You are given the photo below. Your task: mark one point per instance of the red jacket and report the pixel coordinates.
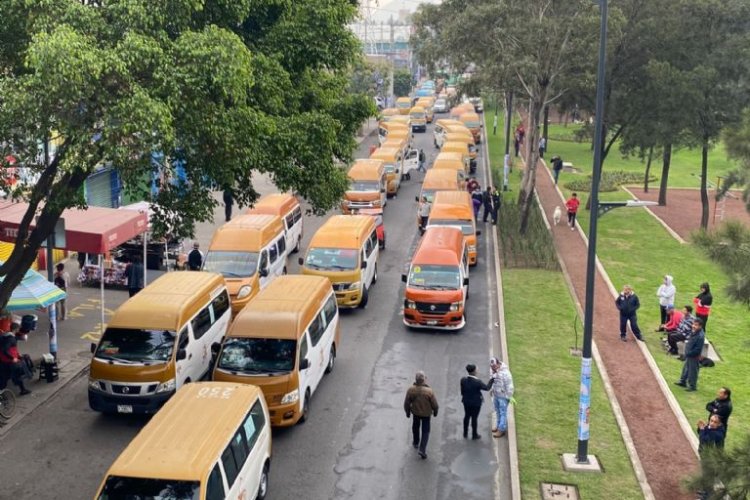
(572, 205)
(8, 349)
(673, 321)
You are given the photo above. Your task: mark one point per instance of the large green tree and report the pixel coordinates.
(226, 88)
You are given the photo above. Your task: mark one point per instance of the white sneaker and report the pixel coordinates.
(572, 228)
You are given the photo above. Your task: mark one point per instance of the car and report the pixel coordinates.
(440, 106)
(478, 104)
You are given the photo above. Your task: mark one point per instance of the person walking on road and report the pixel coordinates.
(135, 276)
(502, 393)
(693, 351)
(542, 146)
(666, 293)
(195, 258)
(61, 280)
(487, 203)
(703, 302)
(424, 213)
(422, 159)
(557, 166)
(471, 397)
(572, 206)
(228, 203)
(496, 201)
(627, 303)
(421, 404)
(721, 406)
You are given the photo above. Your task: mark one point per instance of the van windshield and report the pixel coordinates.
(118, 487)
(434, 277)
(364, 186)
(337, 259)
(231, 264)
(252, 355)
(417, 115)
(467, 228)
(471, 124)
(389, 167)
(126, 345)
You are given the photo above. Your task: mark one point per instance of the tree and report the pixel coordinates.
(402, 82)
(226, 88)
(730, 247)
(737, 140)
(724, 474)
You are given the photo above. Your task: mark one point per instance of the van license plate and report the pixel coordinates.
(432, 322)
(124, 409)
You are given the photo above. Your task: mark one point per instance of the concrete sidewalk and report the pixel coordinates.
(83, 323)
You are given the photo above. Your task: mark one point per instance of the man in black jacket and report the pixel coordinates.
(627, 303)
(721, 406)
(471, 397)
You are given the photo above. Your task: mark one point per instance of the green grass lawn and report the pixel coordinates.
(547, 408)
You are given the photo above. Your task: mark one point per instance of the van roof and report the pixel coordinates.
(247, 231)
(283, 309)
(444, 122)
(440, 179)
(393, 125)
(450, 155)
(417, 109)
(188, 434)
(389, 112)
(168, 302)
(469, 117)
(368, 169)
(275, 204)
(449, 146)
(452, 205)
(389, 153)
(440, 245)
(403, 99)
(459, 136)
(448, 163)
(343, 231)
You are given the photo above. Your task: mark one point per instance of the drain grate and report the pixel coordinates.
(554, 491)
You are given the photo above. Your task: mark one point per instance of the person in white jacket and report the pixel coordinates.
(666, 293)
(502, 392)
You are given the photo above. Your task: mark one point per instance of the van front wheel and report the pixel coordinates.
(263, 486)
(365, 297)
(375, 275)
(296, 248)
(331, 360)
(305, 408)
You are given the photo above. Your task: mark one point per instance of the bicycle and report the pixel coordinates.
(7, 405)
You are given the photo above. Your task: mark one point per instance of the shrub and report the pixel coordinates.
(610, 181)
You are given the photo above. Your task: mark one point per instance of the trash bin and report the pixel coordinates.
(48, 369)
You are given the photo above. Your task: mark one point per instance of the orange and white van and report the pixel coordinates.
(393, 162)
(442, 127)
(385, 130)
(345, 250)
(457, 111)
(250, 252)
(284, 341)
(211, 440)
(158, 341)
(438, 180)
(403, 104)
(451, 161)
(458, 147)
(287, 207)
(455, 208)
(386, 114)
(428, 104)
(465, 136)
(474, 123)
(437, 284)
(367, 186)
(418, 117)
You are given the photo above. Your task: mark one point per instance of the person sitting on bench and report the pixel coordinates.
(683, 330)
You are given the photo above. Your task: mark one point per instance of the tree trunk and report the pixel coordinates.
(704, 182)
(666, 162)
(545, 125)
(526, 192)
(648, 169)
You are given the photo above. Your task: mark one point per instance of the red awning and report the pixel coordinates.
(94, 230)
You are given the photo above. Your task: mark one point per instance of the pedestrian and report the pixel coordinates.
(542, 146)
(424, 213)
(517, 142)
(228, 203)
(627, 303)
(12, 364)
(496, 201)
(81, 260)
(421, 403)
(195, 258)
(422, 161)
(721, 406)
(476, 200)
(703, 302)
(666, 293)
(487, 203)
(135, 275)
(61, 279)
(693, 352)
(471, 397)
(557, 166)
(502, 393)
(472, 184)
(572, 206)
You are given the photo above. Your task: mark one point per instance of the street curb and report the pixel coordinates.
(661, 221)
(76, 372)
(369, 133)
(515, 478)
(671, 400)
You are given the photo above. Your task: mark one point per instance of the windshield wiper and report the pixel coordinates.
(338, 268)
(230, 274)
(314, 266)
(120, 360)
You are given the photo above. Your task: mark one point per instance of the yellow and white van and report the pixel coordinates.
(345, 250)
(211, 440)
(393, 163)
(388, 129)
(418, 117)
(158, 341)
(249, 251)
(284, 341)
(404, 105)
(368, 183)
(287, 207)
(455, 209)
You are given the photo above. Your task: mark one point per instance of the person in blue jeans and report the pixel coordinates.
(502, 392)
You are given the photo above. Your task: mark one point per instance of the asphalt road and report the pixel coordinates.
(356, 443)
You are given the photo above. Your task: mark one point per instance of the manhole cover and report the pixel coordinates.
(553, 491)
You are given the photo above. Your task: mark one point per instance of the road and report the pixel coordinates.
(357, 442)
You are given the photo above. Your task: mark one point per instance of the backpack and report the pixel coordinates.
(59, 281)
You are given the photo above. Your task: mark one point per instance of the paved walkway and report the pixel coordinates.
(660, 441)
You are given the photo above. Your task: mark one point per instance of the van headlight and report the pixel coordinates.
(455, 306)
(167, 386)
(354, 286)
(376, 203)
(94, 384)
(244, 291)
(290, 397)
(410, 304)
(472, 248)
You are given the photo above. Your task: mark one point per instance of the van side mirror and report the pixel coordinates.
(263, 273)
(304, 364)
(466, 281)
(181, 354)
(215, 347)
(301, 261)
(479, 232)
(416, 198)
(403, 278)
(382, 190)
(364, 264)
(93, 347)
